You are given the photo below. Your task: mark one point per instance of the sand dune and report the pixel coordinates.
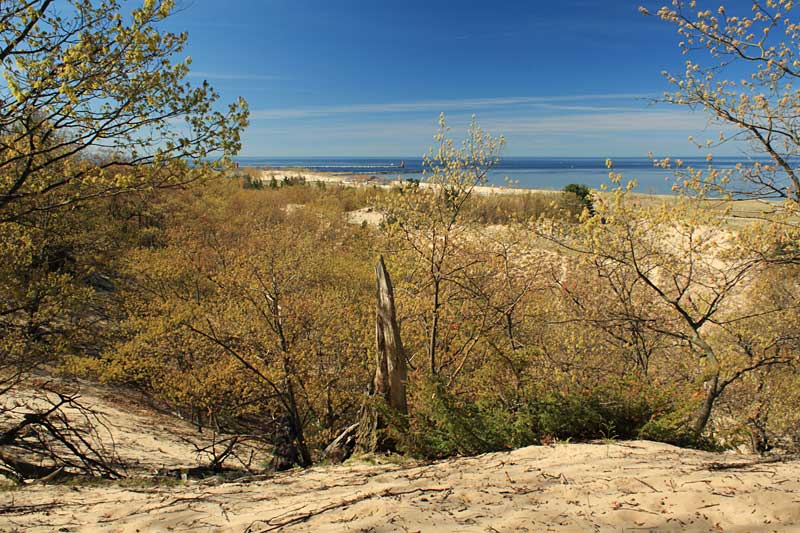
(610, 486)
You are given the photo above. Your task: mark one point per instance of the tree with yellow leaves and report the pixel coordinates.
(742, 67)
(427, 222)
(682, 276)
(91, 93)
(87, 110)
(93, 106)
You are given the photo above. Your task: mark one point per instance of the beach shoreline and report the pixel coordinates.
(365, 180)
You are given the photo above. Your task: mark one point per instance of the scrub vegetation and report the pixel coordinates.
(132, 254)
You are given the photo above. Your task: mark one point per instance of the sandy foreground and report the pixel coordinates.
(609, 486)
(633, 486)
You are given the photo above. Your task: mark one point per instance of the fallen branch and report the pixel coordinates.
(646, 484)
(297, 519)
(747, 464)
(64, 434)
(342, 446)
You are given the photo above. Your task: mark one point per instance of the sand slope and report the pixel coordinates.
(631, 486)
(614, 486)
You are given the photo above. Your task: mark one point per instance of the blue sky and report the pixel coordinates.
(369, 78)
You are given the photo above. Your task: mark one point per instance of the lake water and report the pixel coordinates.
(524, 172)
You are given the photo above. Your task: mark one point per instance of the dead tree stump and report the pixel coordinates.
(387, 403)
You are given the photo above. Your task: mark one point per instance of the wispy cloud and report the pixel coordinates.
(588, 108)
(608, 124)
(628, 132)
(626, 121)
(443, 105)
(237, 77)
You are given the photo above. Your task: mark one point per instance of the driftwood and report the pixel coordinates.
(342, 447)
(389, 385)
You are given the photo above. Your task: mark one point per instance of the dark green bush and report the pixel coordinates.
(252, 182)
(448, 425)
(674, 428)
(604, 412)
(584, 194)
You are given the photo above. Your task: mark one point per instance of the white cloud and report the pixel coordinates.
(236, 77)
(625, 121)
(630, 120)
(595, 124)
(435, 105)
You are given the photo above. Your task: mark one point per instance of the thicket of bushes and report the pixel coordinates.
(249, 304)
(242, 306)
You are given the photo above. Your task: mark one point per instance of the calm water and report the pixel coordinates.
(524, 172)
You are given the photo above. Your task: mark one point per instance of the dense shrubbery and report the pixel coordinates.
(534, 345)
(449, 424)
(250, 307)
(516, 208)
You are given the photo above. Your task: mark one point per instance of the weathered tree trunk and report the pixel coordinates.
(757, 421)
(389, 386)
(391, 374)
(342, 446)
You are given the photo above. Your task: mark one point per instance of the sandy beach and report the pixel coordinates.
(362, 180)
(742, 209)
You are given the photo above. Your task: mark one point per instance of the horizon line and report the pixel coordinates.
(501, 158)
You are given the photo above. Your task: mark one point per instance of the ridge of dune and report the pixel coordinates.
(604, 486)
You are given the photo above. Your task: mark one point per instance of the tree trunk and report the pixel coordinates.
(757, 421)
(289, 440)
(434, 328)
(389, 385)
(712, 393)
(289, 450)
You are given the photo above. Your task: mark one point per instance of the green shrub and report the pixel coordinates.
(446, 425)
(610, 411)
(584, 194)
(674, 428)
(251, 182)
